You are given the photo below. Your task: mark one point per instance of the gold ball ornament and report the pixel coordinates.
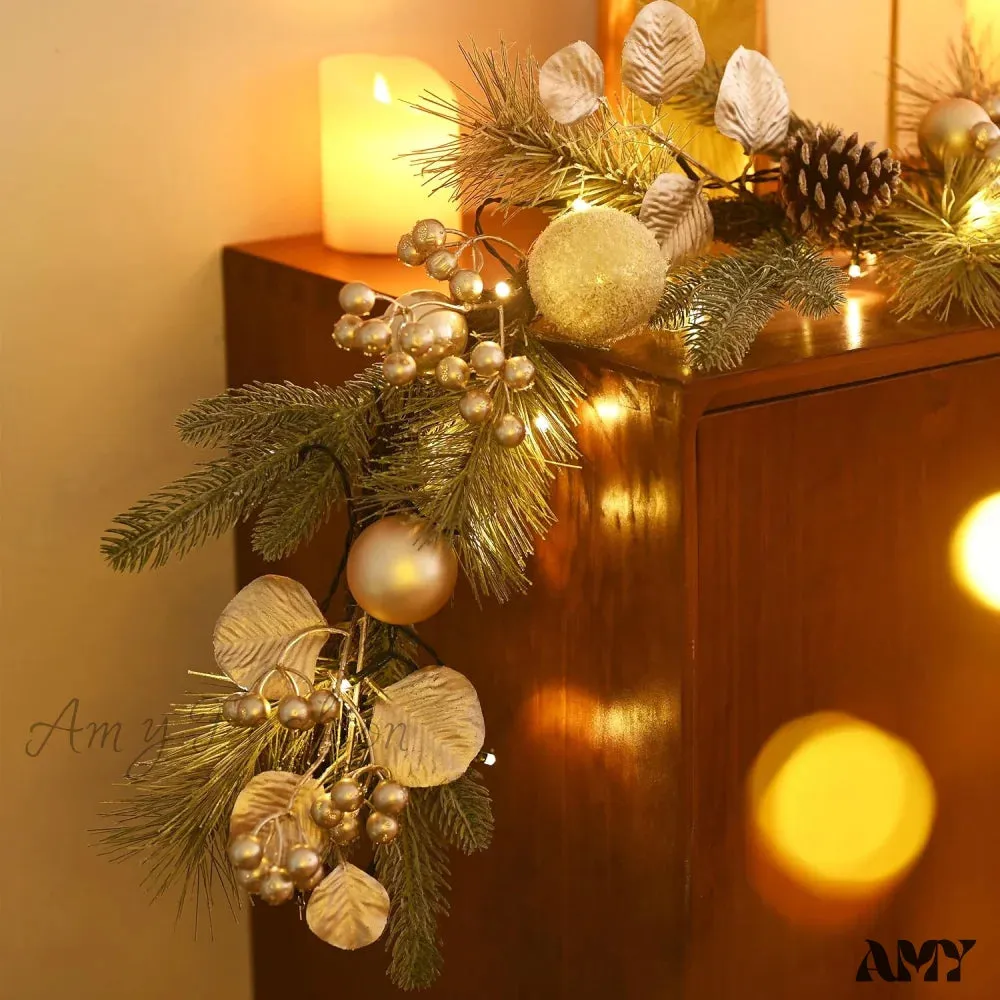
(992, 152)
(303, 862)
(357, 298)
(429, 234)
(347, 830)
(945, 130)
(309, 882)
(416, 338)
(245, 851)
(346, 795)
(441, 264)
(381, 829)
(447, 323)
(452, 373)
(475, 406)
(324, 813)
(345, 331)
(509, 430)
(323, 706)
(992, 107)
(250, 878)
(253, 710)
(596, 275)
(277, 888)
(519, 372)
(399, 572)
(399, 368)
(373, 336)
(407, 251)
(984, 135)
(466, 286)
(390, 797)
(487, 358)
(231, 708)
(294, 713)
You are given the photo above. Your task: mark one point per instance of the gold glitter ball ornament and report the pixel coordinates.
(245, 851)
(945, 129)
(400, 573)
(596, 275)
(381, 829)
(442, 264)
(347, 830)
(390, 797)
(324, 813)
(452, 373)
(407, 252)
(346, 795)
(984, 135)
(509, 430)
(373, 336)
(428, 234)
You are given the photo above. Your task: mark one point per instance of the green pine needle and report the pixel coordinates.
(463, 813)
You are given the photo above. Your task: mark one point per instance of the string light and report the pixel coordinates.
(542, 423)
(609, 410)
(502, 290)
(854, 271)
(580, 204)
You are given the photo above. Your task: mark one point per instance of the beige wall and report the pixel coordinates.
(135, 139)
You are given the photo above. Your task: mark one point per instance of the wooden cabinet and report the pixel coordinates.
(737, 551)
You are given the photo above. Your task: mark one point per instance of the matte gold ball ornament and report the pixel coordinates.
(357, 298)
(390, 797)
(231, 708)
(294, 713)
(346, 795)
(250, 879)
(487, 358)
(596, 275)
(381, 829)
(276, 888)
(416, 338)
(245, 851)
(992, 107)
(373, 336)
(303, 862)
(347, 830)
(466, 286)
(399, 369)
(509, 430)
(253, 710)
(324, 813)
(945, 130)
(475, 406)
(519, 372)
(345, 331)
(399, 572)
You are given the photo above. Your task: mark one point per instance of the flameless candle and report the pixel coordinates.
(370, 195)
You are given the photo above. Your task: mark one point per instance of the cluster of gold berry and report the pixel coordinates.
(423, 333)
(302, 869)
(339, 810)
(293, 710)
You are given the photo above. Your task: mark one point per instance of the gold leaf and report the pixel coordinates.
(677, 213)
(571, 83)
(752, 107)
(348, 909)
(430, 729)
(258, 623)
(663, 52)
(269, 793)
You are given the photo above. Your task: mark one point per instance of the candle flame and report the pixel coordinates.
(381, 90)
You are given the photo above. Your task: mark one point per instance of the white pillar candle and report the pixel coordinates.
(371, 196)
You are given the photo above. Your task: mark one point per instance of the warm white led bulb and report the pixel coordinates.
(502, 290)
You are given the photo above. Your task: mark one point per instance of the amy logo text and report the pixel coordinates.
(877, 965)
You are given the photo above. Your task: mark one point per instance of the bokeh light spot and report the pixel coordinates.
(976, 551)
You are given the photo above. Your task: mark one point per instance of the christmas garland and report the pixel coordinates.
(333, 759)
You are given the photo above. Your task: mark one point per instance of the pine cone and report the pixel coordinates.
(830, 182)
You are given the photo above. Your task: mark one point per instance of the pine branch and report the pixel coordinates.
(938, 244)
(510, 147)
(490, 500)
(177, 815)
(239, 415)
(204, 504)
(463, 813)
(722, 303)
(414, 870)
